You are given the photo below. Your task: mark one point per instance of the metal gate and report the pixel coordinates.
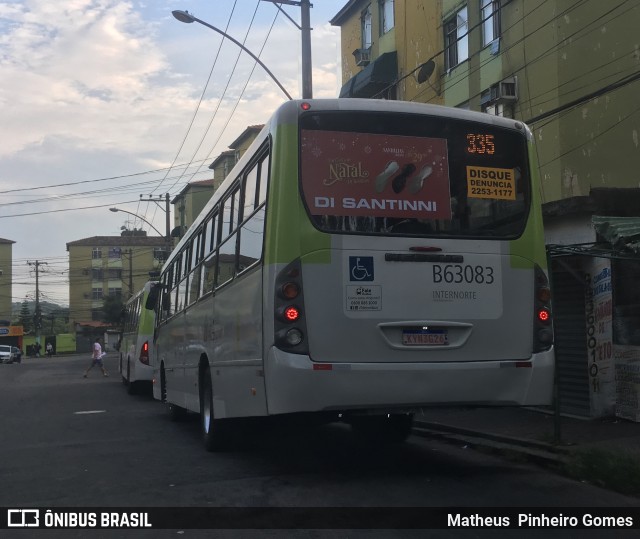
(570, 336)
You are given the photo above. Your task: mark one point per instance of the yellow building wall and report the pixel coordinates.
(137, 263)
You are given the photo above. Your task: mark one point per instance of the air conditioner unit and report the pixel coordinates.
(362, 56)
(505, 90)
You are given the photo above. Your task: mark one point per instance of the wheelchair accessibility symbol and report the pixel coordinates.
(361, 268)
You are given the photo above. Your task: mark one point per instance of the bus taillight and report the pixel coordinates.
(542, 323)
(544, 315)
(290, 322)
(290, 290)
(291, 314)
(144, 353)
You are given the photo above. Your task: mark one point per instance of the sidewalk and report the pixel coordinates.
(530, 431)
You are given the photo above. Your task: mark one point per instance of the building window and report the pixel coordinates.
(365, 25)
(96, 274)
(115, 252)
(160, 253)
(115, 292)
(499, 109)
(97, 315)
(96, 293)
(114, 273)
(387, 20)
(490, 17)
(456, 39)
(96, 252)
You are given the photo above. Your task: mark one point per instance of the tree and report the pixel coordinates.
(113, 308)
(25, 320)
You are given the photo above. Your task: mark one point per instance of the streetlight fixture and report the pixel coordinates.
(142, 219)
(186, 17)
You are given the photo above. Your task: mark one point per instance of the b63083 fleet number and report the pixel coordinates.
(463, 273)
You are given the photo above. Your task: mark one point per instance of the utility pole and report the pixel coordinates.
(167, 215)
(305, 28)
(37, 315)
(130, 254)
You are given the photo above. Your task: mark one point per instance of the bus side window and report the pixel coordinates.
(181, 295)
(177, 267)
(250, 190)
(207, 273)
(227, 261)
(225, 220)
(251, 235)
(235, 210)
(264, 179)
(206, 237)
(214, 232)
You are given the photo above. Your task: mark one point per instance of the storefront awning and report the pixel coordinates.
(622, 232)
(374, 78)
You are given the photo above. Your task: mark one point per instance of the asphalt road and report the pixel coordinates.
(67, 441)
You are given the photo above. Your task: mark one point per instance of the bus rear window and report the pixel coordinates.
(413, 175)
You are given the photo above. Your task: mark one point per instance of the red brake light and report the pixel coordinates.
(291, 314)
(305, 106)
(144, 353)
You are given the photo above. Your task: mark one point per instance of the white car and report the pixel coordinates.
(6, 354)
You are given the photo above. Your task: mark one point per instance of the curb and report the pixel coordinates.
(540, 452)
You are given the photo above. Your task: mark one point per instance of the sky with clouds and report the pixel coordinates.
(106, 100)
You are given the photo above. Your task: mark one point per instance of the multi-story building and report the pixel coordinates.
(6, 279)
(103, 266)
(192, 199)
(189, 202)
(570, 70)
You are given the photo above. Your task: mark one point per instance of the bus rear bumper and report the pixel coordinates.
(294, 383)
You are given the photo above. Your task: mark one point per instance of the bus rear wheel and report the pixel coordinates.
(391, 428)
(215, 432)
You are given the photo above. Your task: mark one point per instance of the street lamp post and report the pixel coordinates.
(305, 28)
(185, 16)
(167, 237)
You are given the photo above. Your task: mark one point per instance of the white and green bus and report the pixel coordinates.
(137, 339)
(364, 259)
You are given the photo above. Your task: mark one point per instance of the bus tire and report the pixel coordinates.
(131, 386)
(390, 428)
(215, 432)
(121, 371)
(163, 384)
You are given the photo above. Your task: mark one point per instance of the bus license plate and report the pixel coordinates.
(425, 337)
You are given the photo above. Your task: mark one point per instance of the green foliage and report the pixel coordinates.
(25, 319)
(112, 308)
(613, 470)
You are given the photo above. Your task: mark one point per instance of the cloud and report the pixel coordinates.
(80, 70)
(93, 89)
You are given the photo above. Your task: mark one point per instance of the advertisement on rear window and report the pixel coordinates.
(367, 175)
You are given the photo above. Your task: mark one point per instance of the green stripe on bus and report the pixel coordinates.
(532, 240)
(289, 232)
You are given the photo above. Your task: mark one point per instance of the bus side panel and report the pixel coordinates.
(170, 355)
(234, 348)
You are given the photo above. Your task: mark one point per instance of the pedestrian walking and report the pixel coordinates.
(49, 349)
(96, 359)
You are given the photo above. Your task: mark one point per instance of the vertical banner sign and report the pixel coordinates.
(366, 175)
(599, 315)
